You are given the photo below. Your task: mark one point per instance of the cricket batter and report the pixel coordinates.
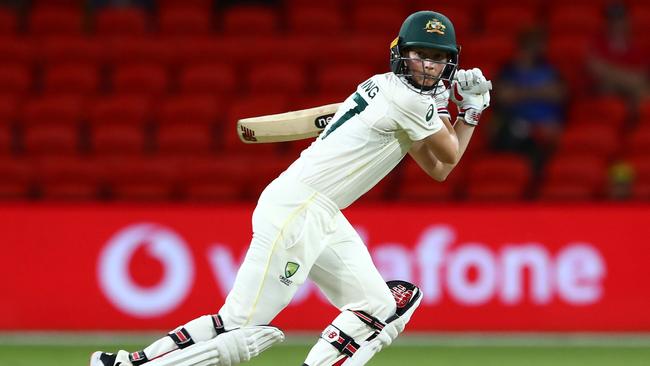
(299, 231)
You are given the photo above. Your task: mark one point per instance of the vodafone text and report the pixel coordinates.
(467, 274)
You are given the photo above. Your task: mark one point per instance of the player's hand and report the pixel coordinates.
(442, 100)
(471, 93)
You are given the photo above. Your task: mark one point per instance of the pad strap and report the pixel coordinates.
(138, 358)
(181, 337)
(369, 320)
(218, 324)
(339, 340)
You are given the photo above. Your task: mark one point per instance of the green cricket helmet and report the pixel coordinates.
(426, 29)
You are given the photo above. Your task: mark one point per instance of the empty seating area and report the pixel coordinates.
(139, 103)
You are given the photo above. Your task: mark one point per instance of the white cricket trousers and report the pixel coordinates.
(300, 233)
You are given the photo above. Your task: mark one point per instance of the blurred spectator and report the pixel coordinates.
(620, 180)
(617, 63)
(530, 101)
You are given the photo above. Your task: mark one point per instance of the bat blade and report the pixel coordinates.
(289, 126)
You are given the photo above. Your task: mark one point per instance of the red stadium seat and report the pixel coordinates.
(315, 100)
(17, 50)
(416, 186)
(557, 4)
(534, 5)
(125, 22)
(284, 78)
(488, 48)
(509, 19)
(267, 168)
(51, 140)
(198, 50)
(568, 52)
(204, 78)
(59, 3)
(8, 22)
(640, 18)
(53, 110)
(342, 78)
(142, 179)
(644, 112)
(68, 178)
(117, 139)
(338, 5)
(144, 79)
(6, 139)
(598, 140)
(498, 177)
(574, 178)
(214, 178)
(9, 108)
(15, 79)
(576, 19)
(378, 20)
(71, 49)
(17, 178)
(250, 19)
(139, 50)
(610, 111)
(73, 78)
(120, 109)
(395, 5)
(204, 5)
(641, 185)
(364, 49)
(310, 20)
(184, 21)
(469, 6)
(268, 47)
(638, 142)
(55, 20)
(185, 139)
(191, 109)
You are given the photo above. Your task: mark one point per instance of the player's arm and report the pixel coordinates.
(425, 155)
(471, 95)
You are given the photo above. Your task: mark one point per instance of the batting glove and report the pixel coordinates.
(471, 93)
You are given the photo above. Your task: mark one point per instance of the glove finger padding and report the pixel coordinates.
(260, 338)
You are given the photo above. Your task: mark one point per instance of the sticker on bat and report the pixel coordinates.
(323, 121)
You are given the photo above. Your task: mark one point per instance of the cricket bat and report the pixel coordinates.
(301, 124)
(289, 126)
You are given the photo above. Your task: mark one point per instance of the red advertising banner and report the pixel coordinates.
(492, 268)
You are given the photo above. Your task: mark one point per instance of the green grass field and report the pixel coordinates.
(422, 350)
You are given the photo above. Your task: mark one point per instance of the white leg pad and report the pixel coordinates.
(394, 325)
(227, 349)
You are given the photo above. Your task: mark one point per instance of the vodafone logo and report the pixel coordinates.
(165, 246)
(473, 273)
